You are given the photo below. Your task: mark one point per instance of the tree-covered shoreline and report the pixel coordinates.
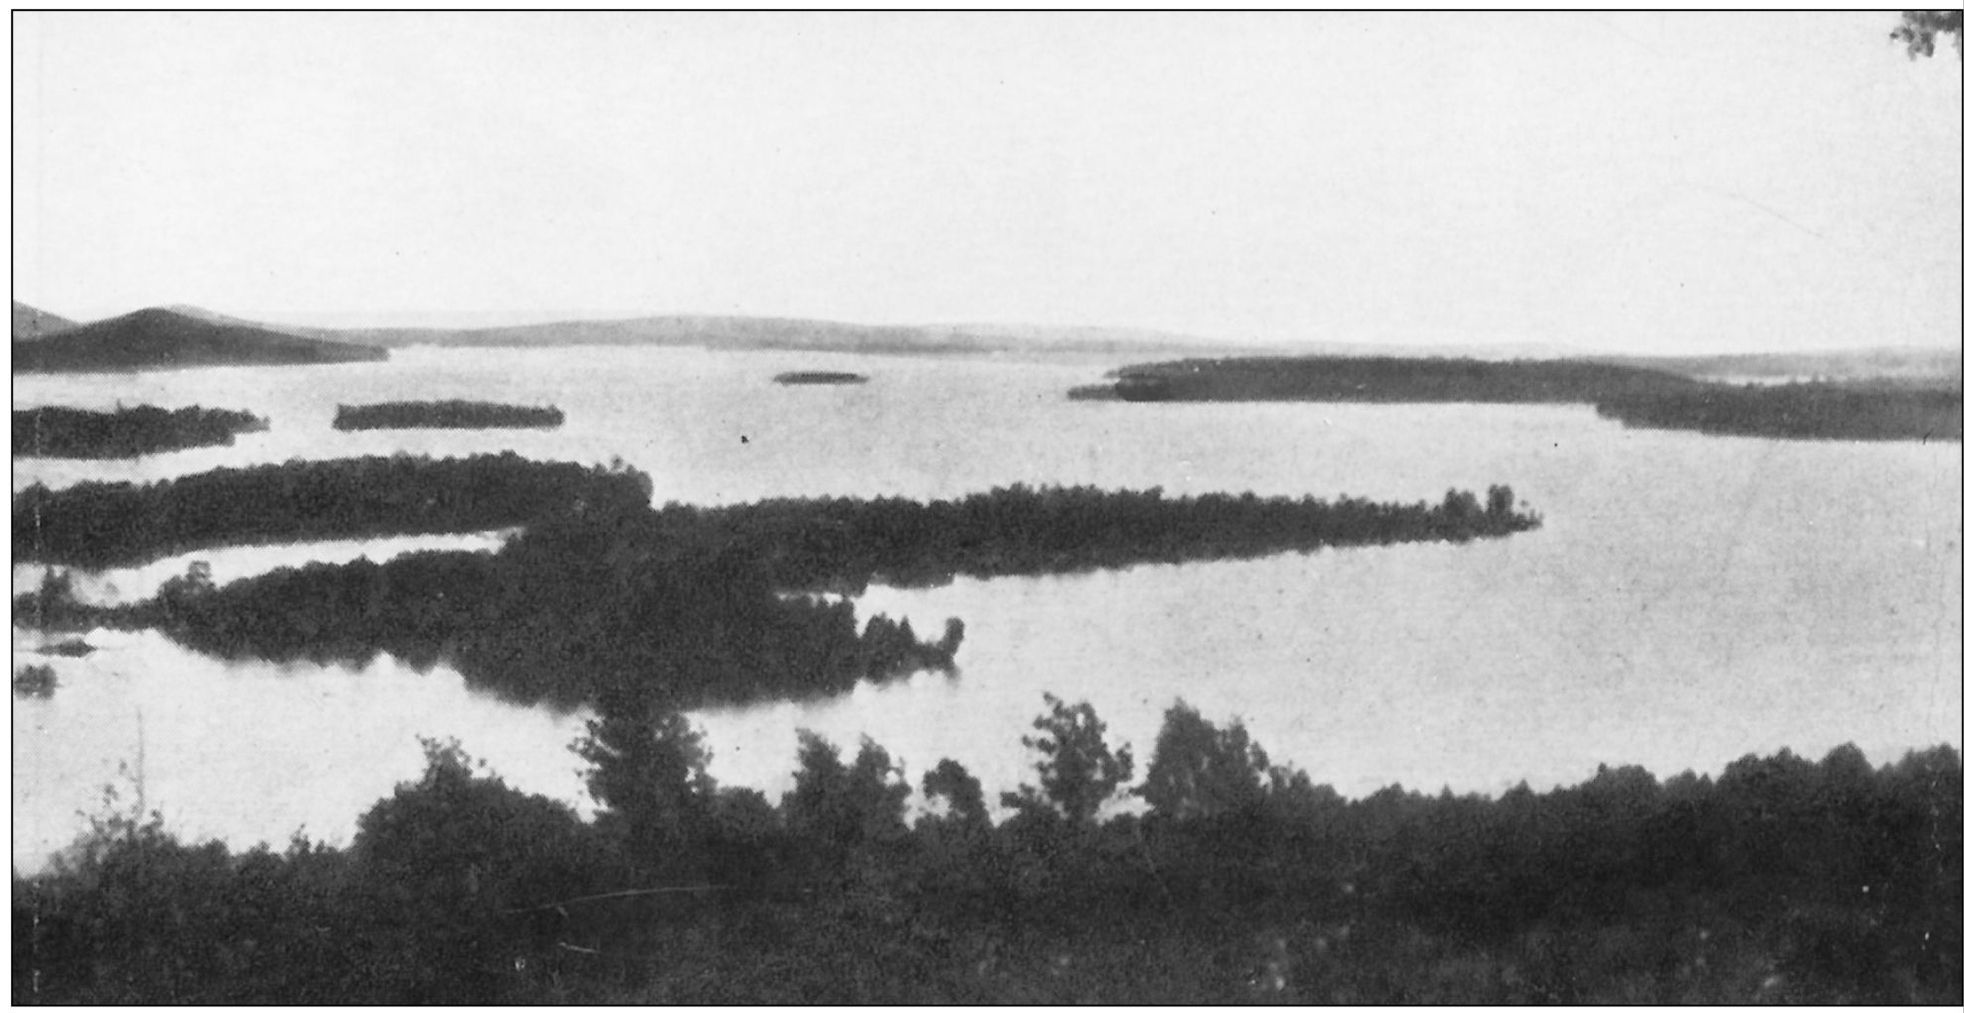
(126, 432)
(1637, 396)
(1800, 411)
(1780, 879)
(690, 603)
(445, 415)
(1379, 379)
(100, 524)
(843, 544)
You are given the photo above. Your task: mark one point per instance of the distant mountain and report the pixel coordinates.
(215, 317)
(30, 323)
(165, 339)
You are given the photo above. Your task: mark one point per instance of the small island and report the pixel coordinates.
(445, 415)
(37, 681)
(126, 432)
(817, 378)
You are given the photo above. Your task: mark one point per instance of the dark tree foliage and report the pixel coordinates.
(951, 782)
(564, 614)
(1200, 771)
(1810, 411)
(35, 681)
(98, 524)
(1918, 31)
(646, 765)
(1782, 879)
(445, 415)
(126, 432)
(1077, 771)
(843, 544)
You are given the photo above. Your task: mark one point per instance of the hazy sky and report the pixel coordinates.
(1635, 182)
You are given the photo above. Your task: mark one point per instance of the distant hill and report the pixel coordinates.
(30, 323)
(164, 339)
(785, 333)
(731, 332)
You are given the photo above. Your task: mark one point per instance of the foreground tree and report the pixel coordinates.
(1199, 770)
(1078, 772)
(648, 770)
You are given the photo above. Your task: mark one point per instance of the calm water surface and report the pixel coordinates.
(1690, 599)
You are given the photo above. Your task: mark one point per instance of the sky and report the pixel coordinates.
(1670, 183)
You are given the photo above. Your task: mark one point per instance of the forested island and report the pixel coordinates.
(1634, 395)
(126, 432)
(1782, 879)
(1809, 411)
(35, 681)
(445, 415)
(812, 377)
(100, 524)
(705, 605)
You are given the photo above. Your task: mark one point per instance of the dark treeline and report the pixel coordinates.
(1651, 398)
(445, 415)
(1817, 411)
(99, 524)
(843, 544)
(126, 432)
(691, 604)
(1782, 879)
(1380, 379)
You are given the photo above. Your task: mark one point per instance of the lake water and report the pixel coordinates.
(1689, 600)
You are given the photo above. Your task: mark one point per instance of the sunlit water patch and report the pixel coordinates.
(251, 753)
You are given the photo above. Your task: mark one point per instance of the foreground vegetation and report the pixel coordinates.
(1636, 396)
(1780, 880)
(715, 605)
(126, 432)
(99, 524)
(445, 415)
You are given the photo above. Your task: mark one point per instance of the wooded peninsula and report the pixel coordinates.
(126, 432)
(101, 524)
(603, 599)
(1636, 396)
